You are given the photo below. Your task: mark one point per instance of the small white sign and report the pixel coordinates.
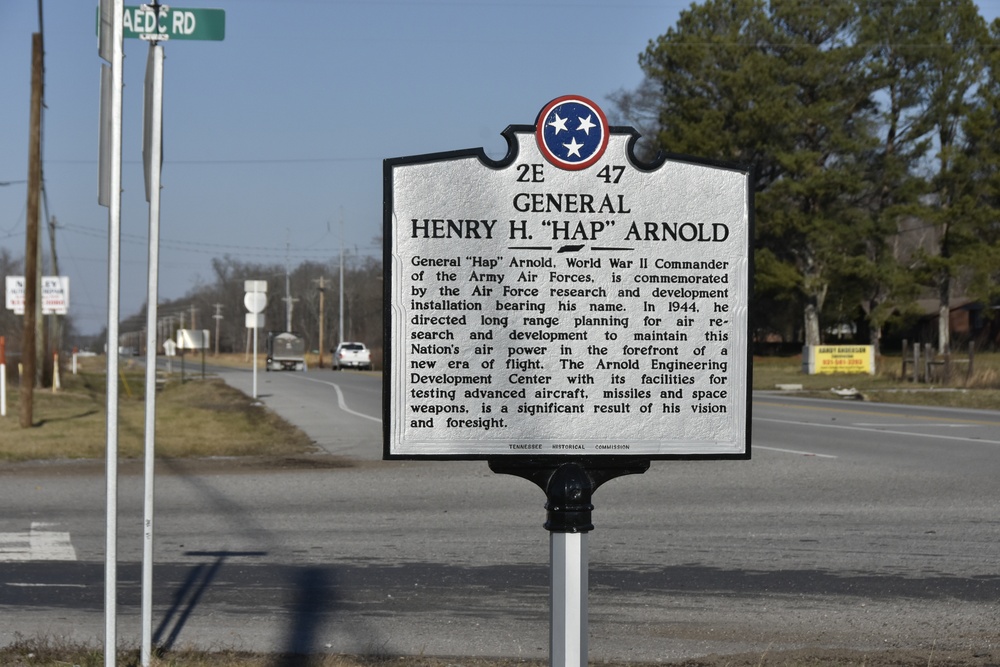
(254, 285)
(255, 320)
(255, 301)
(170, 348)
(193, 339)
(55, 294)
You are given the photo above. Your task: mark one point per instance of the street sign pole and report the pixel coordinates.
(152, 153)
(110, 48)
(255, 299)
(152, 23)
(568, 563)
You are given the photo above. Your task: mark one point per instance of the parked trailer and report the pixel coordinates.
(286, 351)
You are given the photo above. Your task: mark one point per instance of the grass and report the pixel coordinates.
(888, 385)
(194, 418)
(50, 653)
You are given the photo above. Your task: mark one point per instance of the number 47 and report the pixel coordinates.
(611, 173)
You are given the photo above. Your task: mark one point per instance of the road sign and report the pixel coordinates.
(572, 301)
(55, 295)
(139, 22)
(254, 285)
(192, 339)
(255, 301)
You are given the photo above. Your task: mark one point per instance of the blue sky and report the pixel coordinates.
(274, 138)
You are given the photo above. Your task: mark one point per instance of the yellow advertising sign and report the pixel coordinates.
(839, 359)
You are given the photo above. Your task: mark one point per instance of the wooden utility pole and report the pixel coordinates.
(322, 320)
(31, 241)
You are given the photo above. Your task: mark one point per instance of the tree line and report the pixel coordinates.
(872, 131)
(313, 287)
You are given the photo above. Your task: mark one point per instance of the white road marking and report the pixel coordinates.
(36, 544)
(914, 434)
(340, 400)
(794, 451)
(880, 425)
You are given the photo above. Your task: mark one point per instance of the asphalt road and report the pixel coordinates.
(854, 525)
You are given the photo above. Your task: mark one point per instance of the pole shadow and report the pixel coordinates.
(187, 597)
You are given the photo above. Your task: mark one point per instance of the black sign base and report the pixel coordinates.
(569, 485)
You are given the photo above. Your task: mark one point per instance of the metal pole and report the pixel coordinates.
(155, 117)
(3, 376)
(288, 292)
(341, 331)
(114, 282)
(569, 562)
(255, 322)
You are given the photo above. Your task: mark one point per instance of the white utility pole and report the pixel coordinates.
(218, 318)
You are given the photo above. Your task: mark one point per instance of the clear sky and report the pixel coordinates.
(274, 138)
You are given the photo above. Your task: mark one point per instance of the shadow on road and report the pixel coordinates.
(316, 597)
(189, 594)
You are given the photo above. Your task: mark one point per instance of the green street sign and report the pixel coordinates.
(174, 23)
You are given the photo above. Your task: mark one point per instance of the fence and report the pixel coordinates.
(932, 367)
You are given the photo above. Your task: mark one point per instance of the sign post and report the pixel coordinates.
(255, 300)
(154, 23)
(152, 158)
(568, 314)
(110, 48)
(3, 376)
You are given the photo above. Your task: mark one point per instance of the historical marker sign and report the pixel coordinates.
(567, 300)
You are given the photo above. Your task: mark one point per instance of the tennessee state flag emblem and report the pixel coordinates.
(572, 132)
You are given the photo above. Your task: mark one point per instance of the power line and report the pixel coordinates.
(294, 160)
(216, 248)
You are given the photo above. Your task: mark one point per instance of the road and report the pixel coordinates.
(854, 525)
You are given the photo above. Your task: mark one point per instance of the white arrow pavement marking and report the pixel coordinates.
(36, 544)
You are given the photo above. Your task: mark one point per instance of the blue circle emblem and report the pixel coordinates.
(572, 132)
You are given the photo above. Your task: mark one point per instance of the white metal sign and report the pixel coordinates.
(254, 285)
(567, 300)
(255, 302)
(55, 294)
(193, 339)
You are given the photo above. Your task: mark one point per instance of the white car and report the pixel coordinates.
(352, 355)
